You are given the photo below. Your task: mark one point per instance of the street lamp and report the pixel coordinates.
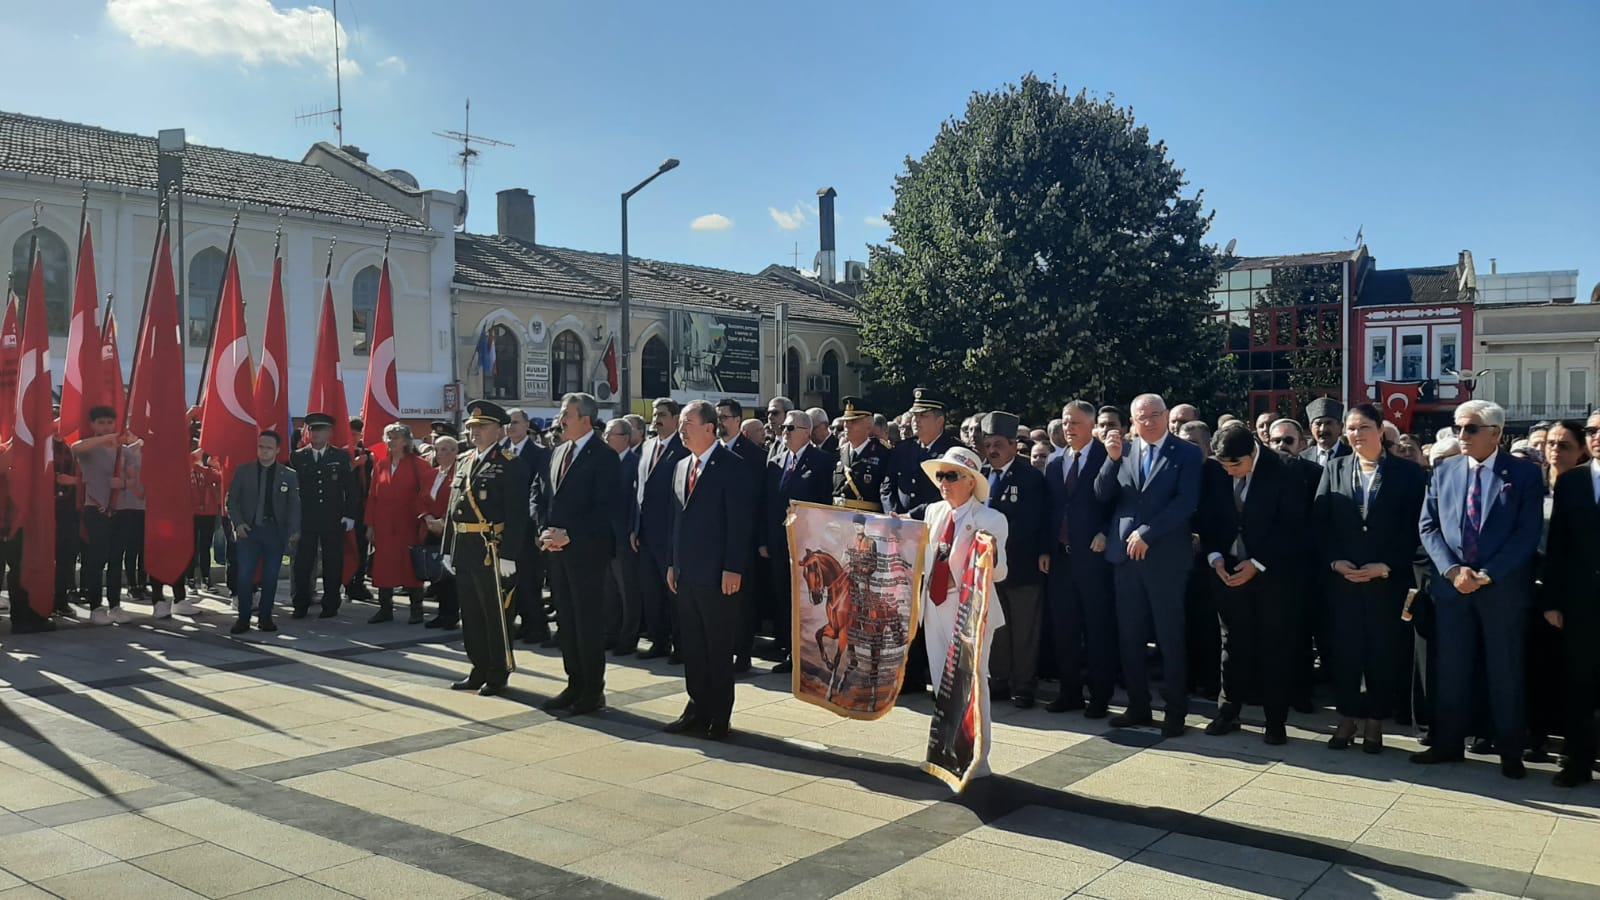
(625, 389)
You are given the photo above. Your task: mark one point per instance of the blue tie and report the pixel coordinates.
(1149, 457)
(1470, 534)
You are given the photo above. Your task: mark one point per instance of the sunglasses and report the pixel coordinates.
(1469, 429)
(946, 475)
(793, 428)
(1287, 439)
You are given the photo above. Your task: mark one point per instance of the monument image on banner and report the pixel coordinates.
(854, 579)
(955, 739)
(716, 355)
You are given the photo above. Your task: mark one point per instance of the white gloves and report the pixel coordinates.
(507, 568)
(448, 563)
(349, 524)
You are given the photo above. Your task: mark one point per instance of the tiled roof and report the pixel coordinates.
(503, 263)
(1421, 284)
(73, 153)
(1293, 259)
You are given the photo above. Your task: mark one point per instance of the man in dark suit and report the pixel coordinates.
(1082, 601)
(622, 625)
(578, 540)
(798, 473)
(330, 502)
(1480, 525)
(1018, 492)
(709, 553)
(1154, 489)
(1253, 517)
(263, 503)
(530, 607)
(1326, 416)
(1287, 437)
(652, 527)
(730, 417)
(1572, 603)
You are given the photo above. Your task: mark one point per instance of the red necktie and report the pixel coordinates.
(656, 456)
(694, 470)
(566, 463)
(939, 581)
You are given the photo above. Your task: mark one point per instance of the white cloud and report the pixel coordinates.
(876, 221)
(711, 222)
(393, 63)
(252, 31)
(790, 220)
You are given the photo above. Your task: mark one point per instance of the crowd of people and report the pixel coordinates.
(1451, 585)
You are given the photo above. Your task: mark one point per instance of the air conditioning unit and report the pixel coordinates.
(602, 390)
(819, 384)
(854, 272)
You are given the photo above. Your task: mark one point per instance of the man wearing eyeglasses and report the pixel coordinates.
(798, 473)
(1480, 525)
(1286, 437)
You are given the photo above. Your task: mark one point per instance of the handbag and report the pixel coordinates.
(427, 562)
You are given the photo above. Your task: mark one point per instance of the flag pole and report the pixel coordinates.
(216, 310)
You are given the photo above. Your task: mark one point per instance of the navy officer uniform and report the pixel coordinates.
(330, 505)
(858, 475)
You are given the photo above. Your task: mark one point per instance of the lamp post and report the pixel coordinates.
(625, 388)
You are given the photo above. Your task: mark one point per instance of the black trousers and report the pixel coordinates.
(1546, 682)
(129, 549)
(1202, 632)
(327, 542)
(1083, 613)
(483, 619)
(655, 602)
(1579, 642)
(1258, 630)
(622, 593)
(780, 599)
(708, 623)
(577, 582)
(68, 545)
(102, 564)
(1369, 644)
(530, 580)
(204, 528)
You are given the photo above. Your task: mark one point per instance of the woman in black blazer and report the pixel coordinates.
(1365, 515)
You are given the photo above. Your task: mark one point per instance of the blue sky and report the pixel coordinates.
(1435, 127)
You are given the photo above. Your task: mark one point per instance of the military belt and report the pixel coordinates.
(858, 504)
(479, 528)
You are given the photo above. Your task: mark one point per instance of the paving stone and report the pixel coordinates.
(598, 822)
(764, 834)
(119, 879)
(694, 790)
(1063, 874)
(1354, 883)
(44, 853)
(378, 878)
(741, 862)
(937, 878)
(826, 819)
(1235, 856)
(1449, 848)
(127, 836)
(541, 843)
(210, 870)
(654, 875)
(858, 802)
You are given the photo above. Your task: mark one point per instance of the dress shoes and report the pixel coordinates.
(1512, 768)
(656, 651)
(1173, 726)
(674, 658)
(688, 722)
(327, 614)
(34, 627)
(784, 667)
(718, 731)
(466, 684)
(1064, 703)
(1224, 723)
(491, 689)
(299, 613)
(1572, 776)
(240, 627)
(589, 705)
(1096, 710)
(625, 649)
(1022, 701)
(1434, 756)
(741, 665)
(437, 622)
(267, 625)
(382, 615)
(1276, 736)
(1131, 719)
(563, 700)
(1481, 747)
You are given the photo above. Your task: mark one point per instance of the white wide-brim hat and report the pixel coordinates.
(960, 459)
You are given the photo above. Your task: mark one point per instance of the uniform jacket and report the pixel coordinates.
(1021, 496)
(906, 488)
(625, 502)
(329, 490)
(866, 472)
(498, 483)
(1160, 508)
(1340, 450)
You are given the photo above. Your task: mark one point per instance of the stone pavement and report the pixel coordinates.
(167, 759)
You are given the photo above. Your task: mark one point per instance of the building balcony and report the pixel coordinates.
(1549, 412)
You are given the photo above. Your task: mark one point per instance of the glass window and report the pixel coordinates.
(653, 380)
(1448, 343)
(1378, 357)
(1284, 324)
(1238, 280)
(1260, 278)
(364, 307)
(1219, 299)
(503, 381)
(57, 277)
(792, 374)
(1501, 386)
(1538, 389)
(830, 369)
(1578, 390)
(205, 285)
(566, 369)
(1238, 330)
(1260, 329)
(1412, 361)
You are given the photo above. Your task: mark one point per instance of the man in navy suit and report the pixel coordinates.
(1017, 490)
(1082, 601)
(799, 472)
(652, 527)
(1154, 489)
(710, 550)
(622, 625)
(730, 418)
(1480, 525)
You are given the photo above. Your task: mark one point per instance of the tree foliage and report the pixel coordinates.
(1043, 251)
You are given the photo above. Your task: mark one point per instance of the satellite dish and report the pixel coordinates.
(404, 177)
(1228, 250)
(461, 208)
(1594, 295)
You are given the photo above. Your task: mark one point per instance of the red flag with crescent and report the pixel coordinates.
(1399, 400)
(82, 386)
(380, 408)
(10, 360)
(327, 376)
(227, 407)
(115, 392)
(157, 414)
(272, 390)
(33, 471)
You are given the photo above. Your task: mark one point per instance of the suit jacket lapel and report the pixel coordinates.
(680, 476)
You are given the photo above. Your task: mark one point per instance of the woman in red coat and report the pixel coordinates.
(438, 508)
(395, 504)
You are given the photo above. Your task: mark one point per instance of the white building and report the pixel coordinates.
(1538, 349)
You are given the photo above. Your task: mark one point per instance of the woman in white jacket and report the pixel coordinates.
(953, 523)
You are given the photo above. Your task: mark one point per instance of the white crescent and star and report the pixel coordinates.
(383, 365)
(25, 376)
(236, 356)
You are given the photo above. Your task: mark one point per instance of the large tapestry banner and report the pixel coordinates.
(955, 739)
(853, 580)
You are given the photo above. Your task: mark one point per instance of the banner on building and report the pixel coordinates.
(715, 356)
(853, 580)
(955, 739)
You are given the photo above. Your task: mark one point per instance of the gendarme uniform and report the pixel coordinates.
(858, 475)
(488, 522)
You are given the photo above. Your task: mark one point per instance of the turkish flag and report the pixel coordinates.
(115, 392)
(33, 471)
(272, 391)
(227, 406)
(157, 414)
(380, 408)
(609, 358)
(1399, 400)
(327, 376)
(10, 360)
(81, 384)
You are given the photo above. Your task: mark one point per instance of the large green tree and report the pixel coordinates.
(1043, 250)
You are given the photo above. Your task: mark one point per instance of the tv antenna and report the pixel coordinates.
(337, 113)
(467, 154)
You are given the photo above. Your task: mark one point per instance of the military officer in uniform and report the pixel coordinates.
(858, 475)
(485, 530)
(330, 503)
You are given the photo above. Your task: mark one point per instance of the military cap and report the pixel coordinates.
(1324, 408)
(1002, 423)
(923, 399)
(318, 420)
(484, 412)
(854, 409)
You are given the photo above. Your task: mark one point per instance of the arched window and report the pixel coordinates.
(363, 308)
(57, 276)
(205, 285)
(502, 382)
(566, 365)
(791, 381)
(654, 380)
(830, 370)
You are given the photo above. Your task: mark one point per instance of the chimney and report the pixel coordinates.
(516, 219)
(1494, 265)
(826, 270)
(355, 151)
